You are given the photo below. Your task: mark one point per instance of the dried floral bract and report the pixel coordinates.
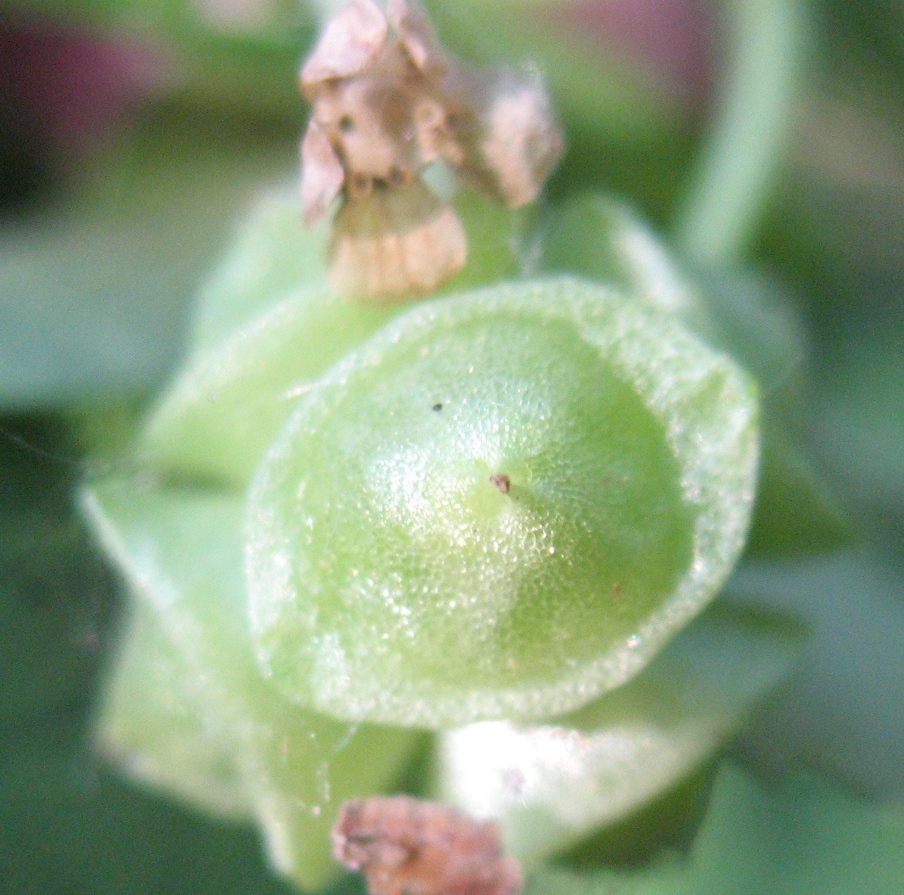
(387, 101)
(407, 846)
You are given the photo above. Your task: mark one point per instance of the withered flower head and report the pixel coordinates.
(388, 101)
(407, 846)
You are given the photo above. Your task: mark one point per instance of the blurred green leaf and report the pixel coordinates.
(56, 597)
(798, 837)
(795, 512)
(860, 423)
(69, 827)
(841, 710)
(93, 300)
(54, 605)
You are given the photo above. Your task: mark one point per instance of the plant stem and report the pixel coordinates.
(736, 171)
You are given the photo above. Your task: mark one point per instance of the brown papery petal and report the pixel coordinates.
(395, 242)
(520, 142)
(368, 121)
(351, 41)
(322, 174)
(411, 24)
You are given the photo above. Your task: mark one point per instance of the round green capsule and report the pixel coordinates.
(501, 505)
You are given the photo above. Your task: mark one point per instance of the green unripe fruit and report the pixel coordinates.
(502, 505)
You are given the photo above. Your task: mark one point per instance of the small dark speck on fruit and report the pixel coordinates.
(616, 587)
(437, 407)
(501, 481)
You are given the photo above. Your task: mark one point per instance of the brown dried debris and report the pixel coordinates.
(386, 102)
(407, 846)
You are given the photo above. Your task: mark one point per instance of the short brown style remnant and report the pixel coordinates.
(501, 481)
(407, 846)
(388, 101)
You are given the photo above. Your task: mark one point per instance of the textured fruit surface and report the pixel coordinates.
(501, 505)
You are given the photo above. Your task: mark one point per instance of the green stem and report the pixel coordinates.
(736, 169)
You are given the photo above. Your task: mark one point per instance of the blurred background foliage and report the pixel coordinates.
(764, 140)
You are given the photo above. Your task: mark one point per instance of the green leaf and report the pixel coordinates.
(392, 579)
(54, 602)
(181, 553)
(861, 406)
(55, 592)
(754, 318)
(552, 785)
(796, 512)
(70, 826)
(799, 837)
(841, 711)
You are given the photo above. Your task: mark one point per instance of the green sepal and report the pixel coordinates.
(268, 324)
(271, 255)
(217, 419)
(181, 553)
(151, 724)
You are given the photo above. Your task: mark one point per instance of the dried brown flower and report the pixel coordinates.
(407, 846)
(388, 101)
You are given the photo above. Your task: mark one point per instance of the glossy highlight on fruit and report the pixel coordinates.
(501, 505)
